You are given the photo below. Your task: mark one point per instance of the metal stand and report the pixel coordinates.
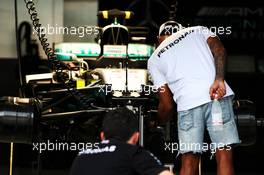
(11, 158)
(141, 127)
(200, 166)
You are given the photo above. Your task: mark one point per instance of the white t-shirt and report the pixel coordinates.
(185, 62)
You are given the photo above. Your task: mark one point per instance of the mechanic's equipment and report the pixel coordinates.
(246, 121)
(116, 77)
(18, 119)
(115, 39)
(91, 51)
(115, 13)
(81, 50)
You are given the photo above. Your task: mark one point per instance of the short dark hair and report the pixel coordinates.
(120, 124)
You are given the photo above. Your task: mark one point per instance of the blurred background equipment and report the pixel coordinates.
(70, 79)
(19, 119)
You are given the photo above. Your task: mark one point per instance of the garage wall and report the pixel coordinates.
(80, 13)
(50, 12)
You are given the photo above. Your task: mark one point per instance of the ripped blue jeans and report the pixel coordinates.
(192, 123)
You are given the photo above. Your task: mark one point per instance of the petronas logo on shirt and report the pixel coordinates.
(176, 41)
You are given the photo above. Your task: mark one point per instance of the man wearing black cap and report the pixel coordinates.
(188, 68)
(118, 153)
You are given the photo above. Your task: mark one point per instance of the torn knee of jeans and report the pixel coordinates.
(189, 152)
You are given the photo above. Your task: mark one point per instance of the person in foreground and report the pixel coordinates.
(118, 153)
(188, 68)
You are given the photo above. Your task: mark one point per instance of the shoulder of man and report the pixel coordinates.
(122, 146)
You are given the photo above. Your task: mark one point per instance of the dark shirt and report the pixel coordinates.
(112, 157)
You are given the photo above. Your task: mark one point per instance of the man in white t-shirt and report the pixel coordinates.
(188, 68)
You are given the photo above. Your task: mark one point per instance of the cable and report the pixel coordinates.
(173, 9)
(71, 114)
(102, 108)
(57, 65)
(37, 26)
(21, 94)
